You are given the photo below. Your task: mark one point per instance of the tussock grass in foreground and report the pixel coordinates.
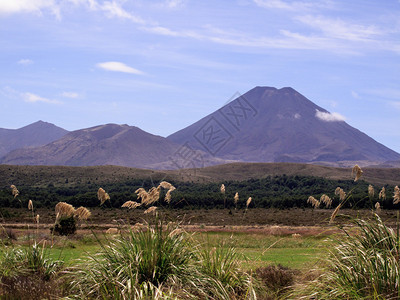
(364, 265)
(159, 262)
(29, 273)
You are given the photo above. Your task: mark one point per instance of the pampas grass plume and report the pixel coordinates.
(30, 205)
(396, 196)
(130, 204)
(371, 191)
(377, 207)
(326, 200)
(382, 194)
(314, 202)
(236, 198)
(102, 196)
(248, 202)
(15, 191)
(82, 213)
(222, 188)
(342, 194)
(64, 209)
(150, 210)
(357, 172)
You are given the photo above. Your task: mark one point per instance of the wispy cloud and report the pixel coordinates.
(340, 29)
(395, 104)
(329, 117)
(114, 9)
(116, 66)
(293, 5)
(71, 95)
(355, 95)
(387, 93)
(33, 98)
(25, 62)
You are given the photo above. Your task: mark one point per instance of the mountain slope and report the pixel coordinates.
(110, 144)
(36, 134)
(280, 125)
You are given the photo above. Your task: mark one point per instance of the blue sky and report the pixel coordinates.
(162, 65)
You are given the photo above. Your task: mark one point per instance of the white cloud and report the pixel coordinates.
(28, 6)
(174, 3)
(25, 62)
(33, 98)
(297, 116)
(340, 29)
(329, 117)
(293, 5)
(116, 66)
(71, 95)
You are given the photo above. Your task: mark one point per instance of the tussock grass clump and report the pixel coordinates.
(158, 263)
(29, 273)
(364, 265)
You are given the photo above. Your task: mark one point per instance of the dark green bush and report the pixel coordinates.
(65, 226)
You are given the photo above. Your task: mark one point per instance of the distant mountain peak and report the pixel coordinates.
(267, 124)
(35, 134)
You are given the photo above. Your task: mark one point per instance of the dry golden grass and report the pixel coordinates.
(82, 213)
(314, 202)
(131, 204)
(102, 196)
(382, 194)
(335, 212)
(222, 189)
(30, 205)
(166, 185)
(357, 172)
(168, 196)
(236, 198)
(371, 191)
(341, 193)
(112, 230)
(326, 200)
(248, 202)
(396, 196)
(377, 207)
(150, 210)
(64, 209)
(15, 191)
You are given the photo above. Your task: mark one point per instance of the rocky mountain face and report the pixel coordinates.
(36, 134)
(281, 125)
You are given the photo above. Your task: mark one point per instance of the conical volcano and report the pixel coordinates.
(281, 125)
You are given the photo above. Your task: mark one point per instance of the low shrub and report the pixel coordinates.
(275, 278)
(64, 226)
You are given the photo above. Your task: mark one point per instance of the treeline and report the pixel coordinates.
(269, 192)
